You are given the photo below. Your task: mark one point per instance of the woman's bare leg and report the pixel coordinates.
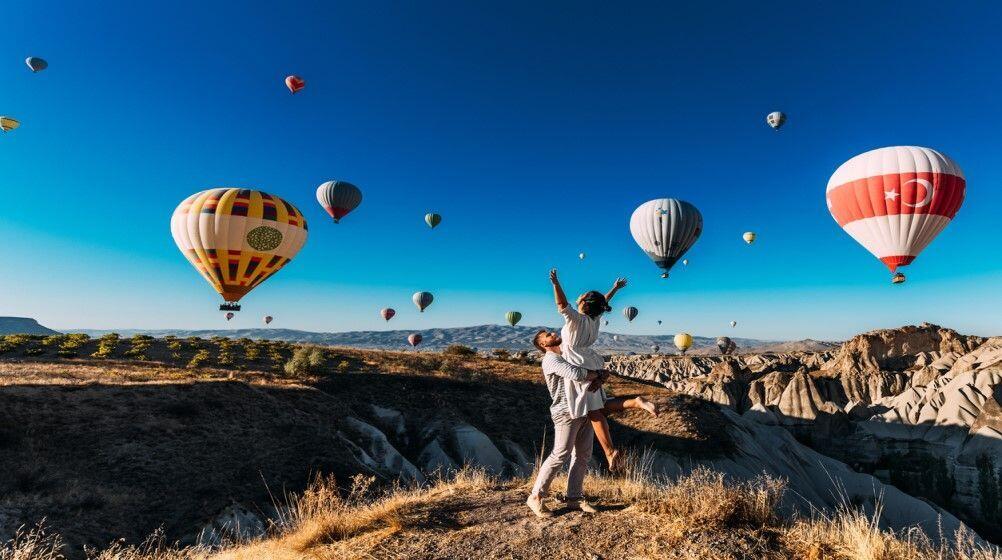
(604, 435)
(621, 403)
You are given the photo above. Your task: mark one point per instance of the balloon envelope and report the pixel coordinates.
(665, 228)
(894, 201)
(513, 317)
(267, 319)
(229, 315)
(655, 348)
(581, 256)
(237, 238)
(725, 345)
(749, 237)
(8, 124)
(36, 64)
(683, 341)
(415, 339)
(388, 313)
(734, 323)
(338, 198)
(295, 83)
(630, 313)
(775, 119)
(432, 220)
(422, 300)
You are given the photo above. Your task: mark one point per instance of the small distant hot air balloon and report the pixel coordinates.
(615, 337)
(415, 339)
(685, 262)
(422, 300)
(432, 220)
(659, 322)
(734, 324)
(267, 319)
(665, 228)
(229, 315)
(749, 237)
(581, 256)
(338, 198)
(655, 348)
(388, 313)
(630, 313)
(237, 238)
(775, 119)
(295, 83)
(607, 322)
(513, 317)
(894, 201)
(36, 64)
(8, 124)
(725, 345)
(683, 341)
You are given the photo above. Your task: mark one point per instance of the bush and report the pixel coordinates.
(306, 360)
(33, 351)
(106, 346)
(344, 366)
(54, 340)
(139, 344)
(12, 342)
(501, 354)
(198, 359)
(460, 351)
(74, 341)
(62, 353)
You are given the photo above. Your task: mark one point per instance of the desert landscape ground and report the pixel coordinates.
(251, 449)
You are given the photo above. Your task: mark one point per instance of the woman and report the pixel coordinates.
(579, 332)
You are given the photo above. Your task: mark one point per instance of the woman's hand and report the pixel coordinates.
(553, 276)
(619, 283)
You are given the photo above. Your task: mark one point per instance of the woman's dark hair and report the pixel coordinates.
(595, 304)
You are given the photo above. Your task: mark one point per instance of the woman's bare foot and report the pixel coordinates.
(648, 406)
(613, 459)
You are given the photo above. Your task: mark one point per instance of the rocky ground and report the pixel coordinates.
(116, 437)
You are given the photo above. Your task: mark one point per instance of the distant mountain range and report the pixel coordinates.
(482, 337)
(22, 325)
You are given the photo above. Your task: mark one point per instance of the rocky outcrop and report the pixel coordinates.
(23, 325)
(898, 349)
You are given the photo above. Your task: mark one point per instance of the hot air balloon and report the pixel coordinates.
(683, 341)
(775, 119)
(36, 64)
(655, 348)
(388, 313)
(295, 83)
(659, 322)
(607, 322)
(749, 237)
(894, 201)
(237, 238)
(338, 198)
(725, 345)
(665, 228)
(615, 337)
(432, 220)
(734, 324)
(415, 339)
(8, 124)
(513, 317)
(267, 319)
(581, 256)
(422, 300)
(229, 315)
(630, 313)
(685, 262)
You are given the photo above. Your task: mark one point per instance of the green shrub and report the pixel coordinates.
(306, 360)
(63, 353)
(460, 351)
(74, 341)
(174, 344)
(344, 366)
(501, 354)
(54, 340)
(198, 359)
(138, 345)
(106, 346)
(33, 351)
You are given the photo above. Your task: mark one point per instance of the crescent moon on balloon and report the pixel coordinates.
(929, 190)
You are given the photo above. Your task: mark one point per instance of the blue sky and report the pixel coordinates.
(533, 128)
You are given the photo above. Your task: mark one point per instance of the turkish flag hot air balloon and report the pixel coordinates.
(295, 83)
(237, 238)
(338, 198)
(894, 201)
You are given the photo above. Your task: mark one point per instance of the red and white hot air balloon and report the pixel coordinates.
(294, 83)
(388, 313)
(415, 339)
(895, 200)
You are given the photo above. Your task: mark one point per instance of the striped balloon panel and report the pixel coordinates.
(665, 229)
(237, 238)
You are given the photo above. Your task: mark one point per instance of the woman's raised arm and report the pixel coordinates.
(619, 283)
(558, 292)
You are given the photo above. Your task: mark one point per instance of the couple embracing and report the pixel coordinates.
(574, 374)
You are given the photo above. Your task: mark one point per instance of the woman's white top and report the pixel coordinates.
(578, 334)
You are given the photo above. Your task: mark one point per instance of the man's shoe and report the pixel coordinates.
(581, 504)
(537, 506)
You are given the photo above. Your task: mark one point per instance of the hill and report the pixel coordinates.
(483, 337)
(22, 325)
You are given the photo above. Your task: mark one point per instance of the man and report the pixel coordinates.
(572, 437)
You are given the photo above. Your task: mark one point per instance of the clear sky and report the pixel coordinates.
(534, 128)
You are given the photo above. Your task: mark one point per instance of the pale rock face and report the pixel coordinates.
(371, 447)
(435, 461)
(235, 523)
(475, 448)
(391, 422)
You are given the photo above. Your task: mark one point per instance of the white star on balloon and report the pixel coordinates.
(891, 195)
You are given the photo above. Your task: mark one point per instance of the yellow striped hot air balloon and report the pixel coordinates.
(8, 124)
(237, 238)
